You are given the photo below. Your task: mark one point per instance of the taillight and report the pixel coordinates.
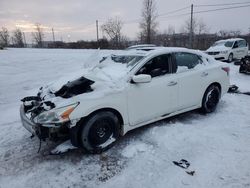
(226, 69)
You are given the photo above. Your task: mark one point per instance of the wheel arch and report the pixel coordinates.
(215, 83)
(116, 112)
(75, 131)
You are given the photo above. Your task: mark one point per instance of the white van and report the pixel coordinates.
(229, 49)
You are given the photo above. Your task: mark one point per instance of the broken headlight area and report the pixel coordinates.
(44, 120)
(55, 116)
(35, 105)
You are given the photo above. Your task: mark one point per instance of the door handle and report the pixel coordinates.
(172, 83)
(204, 74)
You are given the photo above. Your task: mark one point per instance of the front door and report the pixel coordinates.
(157, 98)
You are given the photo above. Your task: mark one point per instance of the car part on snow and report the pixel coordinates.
(245, 65)
(237, 62)
(182, 163)
(75, 87)
(234, 89)
(191, 173)
(63, 148)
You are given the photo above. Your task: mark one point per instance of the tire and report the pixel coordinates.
(241, 69)
(99, 132)
(230, 58)
(210, 99)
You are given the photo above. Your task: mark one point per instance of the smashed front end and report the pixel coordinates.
(47, 115)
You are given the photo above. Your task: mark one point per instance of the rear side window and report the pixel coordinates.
(157, 66)
(242, 43)
(186, 60)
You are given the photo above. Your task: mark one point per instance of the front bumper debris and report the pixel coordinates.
(27, 123)
(35, 129)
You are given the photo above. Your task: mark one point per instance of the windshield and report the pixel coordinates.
(129, 60)
(224, 43)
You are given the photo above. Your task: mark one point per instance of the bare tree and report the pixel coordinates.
(17, 38)
(38, 35)
(113, 28)
(4, 37)
(235, 33)
(186, 27)
(223, 33)
(148, 23)
(170, 30)
(229, 33)
(202, 28)
(199, 27)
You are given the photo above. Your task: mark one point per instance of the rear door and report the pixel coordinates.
(192, 79)
(236, 50)
(243, 48)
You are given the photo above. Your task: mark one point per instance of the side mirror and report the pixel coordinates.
(141, 78)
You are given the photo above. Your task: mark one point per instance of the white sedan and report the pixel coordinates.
(97, 105)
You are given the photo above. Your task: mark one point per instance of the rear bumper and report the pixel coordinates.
(27, 123)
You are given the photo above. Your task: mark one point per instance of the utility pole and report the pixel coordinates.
(53, 34)
(191, 28)
(97, 33)
(24, 38)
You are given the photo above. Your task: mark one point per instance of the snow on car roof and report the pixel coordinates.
(231, 39)
(159, 50)
(140, 45)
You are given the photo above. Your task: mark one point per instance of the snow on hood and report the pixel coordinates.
(109, 74)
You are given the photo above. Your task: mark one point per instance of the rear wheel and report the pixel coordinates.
(210, 99)
(99, 132)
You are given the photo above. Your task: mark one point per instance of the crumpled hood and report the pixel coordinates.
(101, 77)
(217, 48)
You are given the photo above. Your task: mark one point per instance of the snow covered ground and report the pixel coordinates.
(217, 145)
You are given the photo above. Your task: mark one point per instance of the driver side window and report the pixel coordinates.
(157, 66)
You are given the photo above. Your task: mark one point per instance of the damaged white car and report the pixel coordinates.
(96, 106)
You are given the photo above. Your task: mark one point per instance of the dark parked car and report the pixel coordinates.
(245, 65)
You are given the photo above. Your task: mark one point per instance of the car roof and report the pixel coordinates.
(231, 39)
(140, 46)
(156, 51)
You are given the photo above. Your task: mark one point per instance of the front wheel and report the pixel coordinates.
(210, 99)
(99, 132)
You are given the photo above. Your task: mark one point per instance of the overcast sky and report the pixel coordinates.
(75, 19)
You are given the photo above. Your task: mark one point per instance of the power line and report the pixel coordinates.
(168, 14)
(204, 11)
(160, 15)
(174, 11)
(222, 4)
(218, 9)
